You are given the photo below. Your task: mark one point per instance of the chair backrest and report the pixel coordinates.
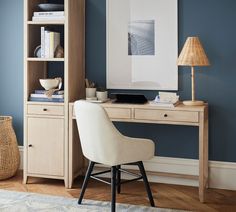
(100, 140)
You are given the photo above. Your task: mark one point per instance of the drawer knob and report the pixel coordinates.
(165, 115)
(45, 109)
(30, 145)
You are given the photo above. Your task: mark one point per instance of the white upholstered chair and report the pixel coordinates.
(102, 143)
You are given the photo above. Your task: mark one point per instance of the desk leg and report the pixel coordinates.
(70, 149)
(203, 154)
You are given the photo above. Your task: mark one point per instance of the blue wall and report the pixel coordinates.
(212, 20)
(11, 62)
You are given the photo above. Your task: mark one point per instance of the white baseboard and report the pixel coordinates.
(221, 174)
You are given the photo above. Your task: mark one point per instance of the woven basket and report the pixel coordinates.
(9, 152)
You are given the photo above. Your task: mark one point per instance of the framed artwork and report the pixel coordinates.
(142, 44)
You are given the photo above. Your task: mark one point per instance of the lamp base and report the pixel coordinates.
(193, 103)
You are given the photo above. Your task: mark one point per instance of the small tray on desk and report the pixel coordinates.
(97, 101)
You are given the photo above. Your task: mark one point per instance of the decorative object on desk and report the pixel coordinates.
(59, 52)
(9, 151)
(96, 100)
(166, 99)
(142, 51)
(90, 90)
(91, 93)
(102, 94)
(51, 7)
(37, 51)
(192, 55)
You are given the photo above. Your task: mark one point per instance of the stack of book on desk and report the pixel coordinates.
(166, 99)
(40, 96)
(49, 16)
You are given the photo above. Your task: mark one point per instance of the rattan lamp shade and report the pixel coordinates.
(193, 53)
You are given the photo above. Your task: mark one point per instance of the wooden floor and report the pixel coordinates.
(166, 196)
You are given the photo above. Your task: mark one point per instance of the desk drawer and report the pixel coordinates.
(118, 113)
(166, 115)
(45, 110)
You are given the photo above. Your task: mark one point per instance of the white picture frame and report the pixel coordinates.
(142, 44)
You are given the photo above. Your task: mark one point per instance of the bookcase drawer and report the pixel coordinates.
(118, 113)
(166, 115)
(45, 110)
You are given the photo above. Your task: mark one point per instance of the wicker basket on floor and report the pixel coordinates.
(9, 152)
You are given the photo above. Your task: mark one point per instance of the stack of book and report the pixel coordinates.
(40, 96)
(166, 99)
(49, 42)
(49, 16)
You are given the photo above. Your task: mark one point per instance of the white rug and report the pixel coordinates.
(29, 202)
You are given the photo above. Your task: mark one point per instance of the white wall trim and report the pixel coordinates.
(221, 174)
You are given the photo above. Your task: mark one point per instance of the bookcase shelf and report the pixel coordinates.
(45, 22)
(45, 103)
(46, 136)
(46, 59)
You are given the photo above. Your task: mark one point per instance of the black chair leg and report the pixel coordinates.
(146, 183)
(118, 178)
(86, 179)
(113, 189)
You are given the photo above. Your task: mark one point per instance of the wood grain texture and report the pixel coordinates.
(45, 110)
(75, 155)
(179, 115)
(75, 51)
(120, 113)
(166, 115)
(203, 154)
(165, 196)
(45, 158)
(36, 68)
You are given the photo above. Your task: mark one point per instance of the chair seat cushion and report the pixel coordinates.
(132, 150)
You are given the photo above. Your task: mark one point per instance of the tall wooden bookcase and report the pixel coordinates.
(46, 124)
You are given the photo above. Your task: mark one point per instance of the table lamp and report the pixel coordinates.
(193, 55)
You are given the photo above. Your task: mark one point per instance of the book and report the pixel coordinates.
(44, 91)
(51, 41)
(47, 44)
(171, 97)
(35, 99)
(164, 104)
(54, 42)
(42, 42)
(166, 99)
(48, 18)
(49, 13)
(56, 96)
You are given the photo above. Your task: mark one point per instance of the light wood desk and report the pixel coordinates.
(180, 115)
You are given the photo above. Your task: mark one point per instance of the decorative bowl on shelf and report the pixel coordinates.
(48, 84)
(51, 7)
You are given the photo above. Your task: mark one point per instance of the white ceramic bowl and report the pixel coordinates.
(48, 84)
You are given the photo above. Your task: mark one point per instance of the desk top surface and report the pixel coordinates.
(179, 107)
